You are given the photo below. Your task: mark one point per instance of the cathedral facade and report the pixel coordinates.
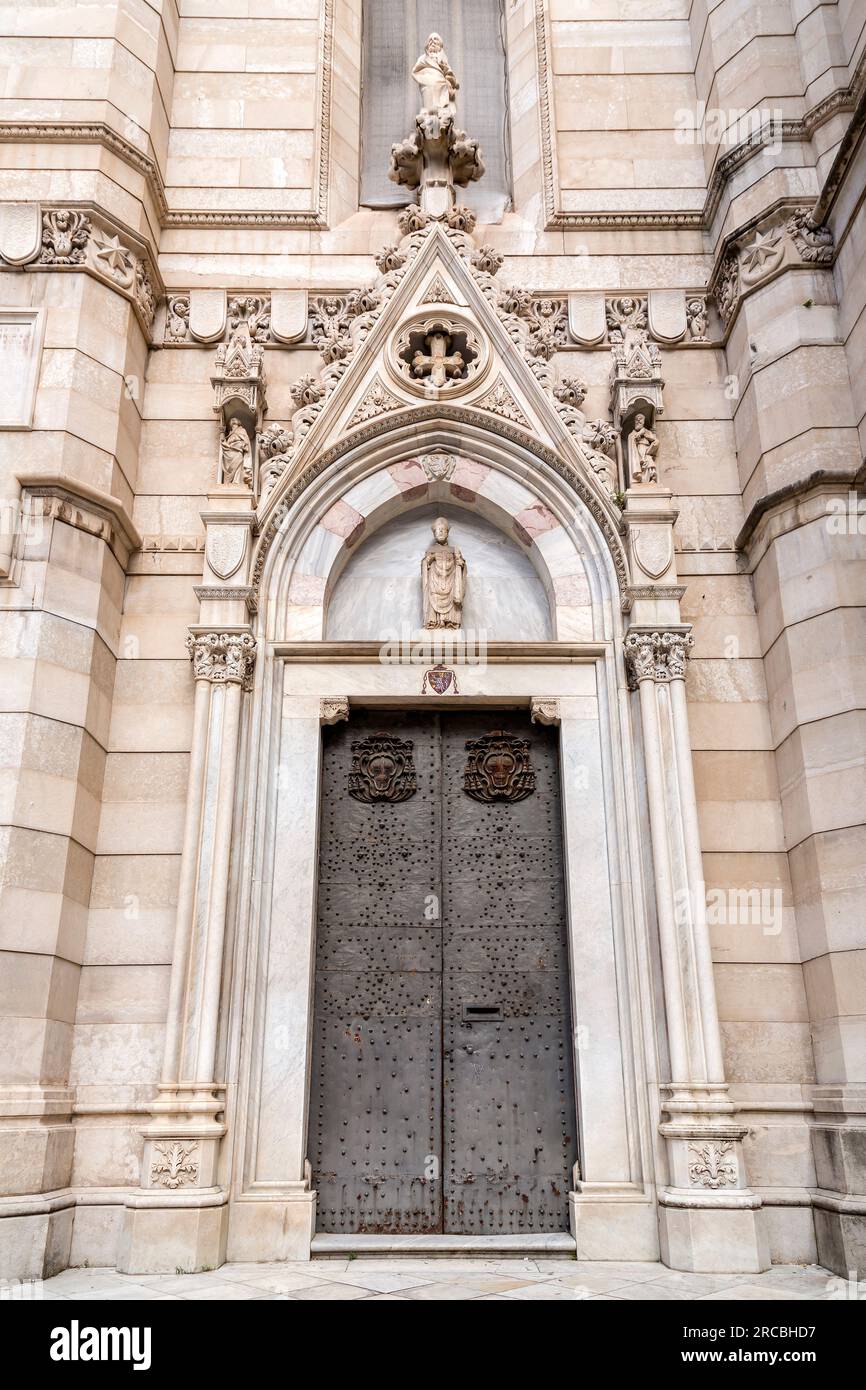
(432, 632)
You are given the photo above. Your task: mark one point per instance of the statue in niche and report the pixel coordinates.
(643, 446)
(438, 84)
(443, 580)
(236, 454)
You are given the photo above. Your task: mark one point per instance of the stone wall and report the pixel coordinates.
(212, 144)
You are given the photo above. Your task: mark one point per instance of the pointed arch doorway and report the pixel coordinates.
(442, 1083)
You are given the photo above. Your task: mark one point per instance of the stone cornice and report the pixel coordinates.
(81, 237)
(459, 653)
(825, 480)
(86, 508)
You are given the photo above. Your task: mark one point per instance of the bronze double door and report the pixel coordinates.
(442, 1089)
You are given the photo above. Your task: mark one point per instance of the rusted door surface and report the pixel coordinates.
(442, 1093)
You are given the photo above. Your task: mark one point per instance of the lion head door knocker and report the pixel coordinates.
(382, 769)
(498, 768)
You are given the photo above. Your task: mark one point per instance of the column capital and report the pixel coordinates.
(222, 657)
(656, 655)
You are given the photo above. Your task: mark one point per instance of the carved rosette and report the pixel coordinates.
(498, 768)
(222, 657)
(383, 769)
(656, 656)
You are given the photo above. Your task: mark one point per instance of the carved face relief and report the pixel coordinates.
(498, 768)
(382, 769)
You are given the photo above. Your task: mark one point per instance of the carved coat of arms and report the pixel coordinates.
(440, 679)
(382, 769)
(498, 768)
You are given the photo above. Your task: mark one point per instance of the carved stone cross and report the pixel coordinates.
(437, 364)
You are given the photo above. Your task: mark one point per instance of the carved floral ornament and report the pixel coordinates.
(788, 237)
(174, 1163)
(712, 1164)
(83, 239)
(656, 656)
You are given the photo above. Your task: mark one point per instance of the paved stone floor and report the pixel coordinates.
(420, 1279)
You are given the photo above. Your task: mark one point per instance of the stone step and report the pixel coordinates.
(556, 1245)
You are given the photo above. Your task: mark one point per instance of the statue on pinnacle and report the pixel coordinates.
(437, 157)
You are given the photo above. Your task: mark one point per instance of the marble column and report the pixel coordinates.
(708, 1217)
(178, 1219)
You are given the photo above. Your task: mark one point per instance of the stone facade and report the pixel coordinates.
(185, 267)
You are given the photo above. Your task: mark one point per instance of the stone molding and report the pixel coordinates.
(222, 657)
(768, 245)
(81, 237)
(83, 507)
(657, 656)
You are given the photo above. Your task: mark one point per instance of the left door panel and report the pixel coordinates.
(375, 1128)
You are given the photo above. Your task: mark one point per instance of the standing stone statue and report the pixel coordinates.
(438, 84)
(643, 447)
(236, 454)
(443, 580)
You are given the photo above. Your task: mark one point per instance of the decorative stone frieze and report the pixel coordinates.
(85, 239)
(222, 657)
(65, 234)
(656, 656)
(785, 238)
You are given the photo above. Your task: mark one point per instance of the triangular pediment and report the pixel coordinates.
(434, 330)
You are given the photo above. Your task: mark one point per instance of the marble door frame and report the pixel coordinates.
(272, 1213)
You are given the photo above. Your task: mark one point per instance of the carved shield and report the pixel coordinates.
(653, 550)
(226, 548)
(382, 769)
(498, 768)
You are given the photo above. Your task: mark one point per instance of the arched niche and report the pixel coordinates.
(378, 594)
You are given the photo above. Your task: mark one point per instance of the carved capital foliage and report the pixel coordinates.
(332, 711)
(543, 710)
(656, 656)
(222, 657)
